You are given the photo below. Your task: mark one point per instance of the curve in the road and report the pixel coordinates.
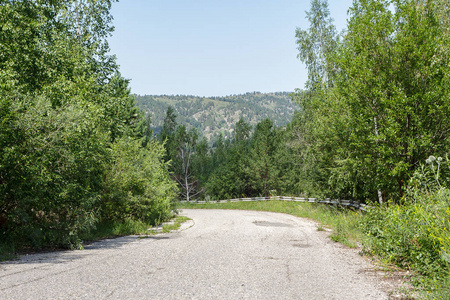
(225, 255)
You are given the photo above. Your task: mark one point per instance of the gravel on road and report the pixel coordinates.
(220, 254)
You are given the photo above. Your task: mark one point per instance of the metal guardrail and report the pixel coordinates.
(345, 203)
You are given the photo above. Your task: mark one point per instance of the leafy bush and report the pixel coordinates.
(416, 234)
(52, 174)
(404, 235)
(137, 183)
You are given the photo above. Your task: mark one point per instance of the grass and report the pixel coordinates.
(132, 227)
(174, 224)
(343, 222)
(7, 252)
(114, 229)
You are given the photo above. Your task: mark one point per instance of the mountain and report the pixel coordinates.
(214, 115)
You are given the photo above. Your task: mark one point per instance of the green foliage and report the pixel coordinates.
(74, 148)
(111, 229)
(316, 130)
(230, 179)
(401, 235)
(137, 183)
(262, 170)
(51, 177)
(398, 111)
(387, 108)
(252, 164)
(316, 44)
(416, 234)
(187, 157)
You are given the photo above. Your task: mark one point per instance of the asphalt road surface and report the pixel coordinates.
(221, 254)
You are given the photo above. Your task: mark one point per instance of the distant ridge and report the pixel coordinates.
(214, 115)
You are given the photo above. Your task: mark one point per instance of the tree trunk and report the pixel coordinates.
(380, 195)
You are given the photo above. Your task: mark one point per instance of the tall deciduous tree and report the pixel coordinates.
(312, 137)
(317, 43)
(182, 164)
(395, 86)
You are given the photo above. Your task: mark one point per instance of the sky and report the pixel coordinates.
(211, 47)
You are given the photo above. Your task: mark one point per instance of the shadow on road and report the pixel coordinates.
(62, 256)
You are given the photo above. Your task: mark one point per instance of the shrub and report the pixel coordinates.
(415, 234)
(137, 183)
(51, 175)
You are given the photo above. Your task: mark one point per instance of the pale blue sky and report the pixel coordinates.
(211, 47)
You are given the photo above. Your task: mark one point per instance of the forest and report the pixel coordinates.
(372, 124)
(214, 115)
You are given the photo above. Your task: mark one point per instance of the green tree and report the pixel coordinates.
(317, 43)
(262, 166)
(394, 86)
(65, 114)
(386, 110)
(170, 123)
(229, 178)
(249, 166)
(241, 131)
(202, 162)
(312, 137)
(138, 185)
(185, 143)
(167, 135)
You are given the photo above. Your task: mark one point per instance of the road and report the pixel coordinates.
(222, 255)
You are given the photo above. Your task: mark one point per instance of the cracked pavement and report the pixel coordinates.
(220, 254)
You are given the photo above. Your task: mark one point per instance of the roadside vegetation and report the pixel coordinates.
(415, 234)
(77, 157)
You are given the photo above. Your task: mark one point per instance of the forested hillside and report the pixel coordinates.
(214, 115)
